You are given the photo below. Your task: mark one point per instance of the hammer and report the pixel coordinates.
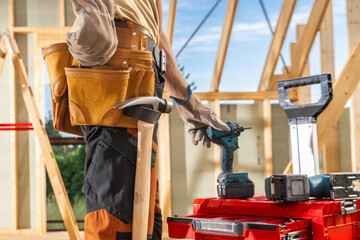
(147, 111)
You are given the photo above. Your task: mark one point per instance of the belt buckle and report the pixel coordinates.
(160, 59)
(162, 67)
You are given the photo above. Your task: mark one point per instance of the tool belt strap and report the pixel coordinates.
(159, 56)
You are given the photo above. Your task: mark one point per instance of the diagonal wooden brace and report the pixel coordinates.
(39, 128)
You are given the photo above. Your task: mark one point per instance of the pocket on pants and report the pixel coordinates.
(111, 175)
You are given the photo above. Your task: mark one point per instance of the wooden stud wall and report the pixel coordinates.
(320, 19)
(353, 15)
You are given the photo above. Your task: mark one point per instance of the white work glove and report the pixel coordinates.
(94, 41)
(198, 117)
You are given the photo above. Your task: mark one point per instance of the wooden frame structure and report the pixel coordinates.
(320, 21)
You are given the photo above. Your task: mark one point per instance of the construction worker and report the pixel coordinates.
(103, 29)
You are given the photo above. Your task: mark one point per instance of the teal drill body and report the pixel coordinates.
(230, 184)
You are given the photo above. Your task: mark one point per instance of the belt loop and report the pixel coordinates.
(130, 25)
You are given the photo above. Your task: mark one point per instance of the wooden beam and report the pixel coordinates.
(343, 89)
(11, 13)
(24, 231)
(353, 11)
(288, 169)
(307, 39)
(164, 139)
(268, 154)
(304, 92)
(224, 43)
(331, 154)
(62, 13)
(13, 142)
(51, 30)
(277, 42)
(217, 170)
(256, 96)
(171, 20)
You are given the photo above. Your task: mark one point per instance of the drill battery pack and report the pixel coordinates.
(235, 185)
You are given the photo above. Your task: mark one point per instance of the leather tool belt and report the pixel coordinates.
(159, 56)
(86, 96)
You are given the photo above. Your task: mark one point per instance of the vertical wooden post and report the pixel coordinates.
(62, 13)
(171, 20)
(13, 135)
(11, 13)
(268, 156)
(217, 169)
(304, 93)
(353, 17)
(331, 152)
(40, 167)
(164, 139)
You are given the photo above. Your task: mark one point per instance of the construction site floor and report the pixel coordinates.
(53, 236)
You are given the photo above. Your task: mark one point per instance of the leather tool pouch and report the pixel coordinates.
(86, 96)
(57, 57)
(94, 92)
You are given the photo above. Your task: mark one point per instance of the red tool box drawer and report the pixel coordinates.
(213, 227)
(329, 220)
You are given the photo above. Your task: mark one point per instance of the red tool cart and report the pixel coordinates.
(261, 219)
(258, 218)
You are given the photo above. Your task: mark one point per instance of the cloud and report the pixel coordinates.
(207, 40)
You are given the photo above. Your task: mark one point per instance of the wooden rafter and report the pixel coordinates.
(308, 37)
(224, 43)
(343, 89)
(277, 42)
(305, 43)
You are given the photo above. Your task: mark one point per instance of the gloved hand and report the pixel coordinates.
(198, 117)
(94, 41)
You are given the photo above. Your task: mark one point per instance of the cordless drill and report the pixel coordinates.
(230, 184)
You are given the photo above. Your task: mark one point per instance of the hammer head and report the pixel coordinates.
(146, 109)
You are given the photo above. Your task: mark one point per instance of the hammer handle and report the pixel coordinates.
(142, 181)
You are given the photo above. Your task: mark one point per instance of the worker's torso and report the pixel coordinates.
(141, 12)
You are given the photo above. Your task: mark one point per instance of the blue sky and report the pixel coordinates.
(249, 42)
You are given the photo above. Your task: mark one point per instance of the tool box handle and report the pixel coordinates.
(305, 112)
